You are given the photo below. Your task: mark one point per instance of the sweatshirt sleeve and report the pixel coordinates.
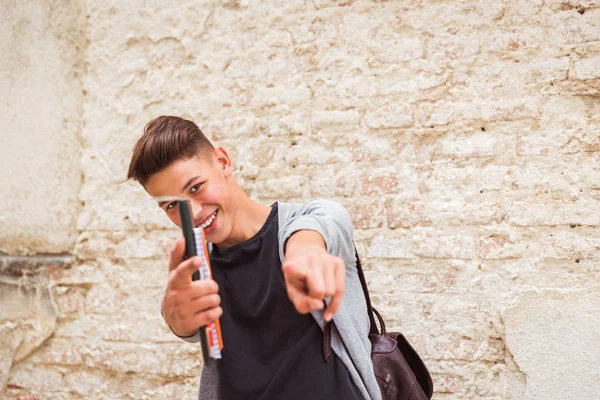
(328, 218)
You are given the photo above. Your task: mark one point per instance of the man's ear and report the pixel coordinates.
(223, 161)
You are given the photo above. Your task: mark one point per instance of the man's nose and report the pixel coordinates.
(196, 210)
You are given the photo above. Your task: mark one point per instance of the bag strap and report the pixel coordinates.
(370, 310)
(373, 330)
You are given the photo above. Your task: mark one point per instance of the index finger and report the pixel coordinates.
(182, 275)
(293, 271)
(177, 253)
(340, 285)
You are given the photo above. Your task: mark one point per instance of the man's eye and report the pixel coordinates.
(195, 187)
(170, 206)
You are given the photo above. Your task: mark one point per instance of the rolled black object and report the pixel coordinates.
(187, 227)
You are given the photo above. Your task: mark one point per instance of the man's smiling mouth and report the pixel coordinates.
(208, 221)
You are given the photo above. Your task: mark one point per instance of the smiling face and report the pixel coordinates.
(206, 180)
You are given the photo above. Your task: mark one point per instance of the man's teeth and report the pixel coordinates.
(209, 221)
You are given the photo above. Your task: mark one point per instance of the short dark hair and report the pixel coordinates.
(166, 139)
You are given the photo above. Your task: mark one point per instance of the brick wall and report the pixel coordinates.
(462, 136)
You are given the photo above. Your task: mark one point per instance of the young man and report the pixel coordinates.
(280, 274)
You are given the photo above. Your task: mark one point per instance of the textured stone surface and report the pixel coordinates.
(41, 117)
(559, 317)
(461, 136)
(28, 312)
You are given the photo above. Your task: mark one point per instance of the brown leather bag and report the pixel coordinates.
(400, 372)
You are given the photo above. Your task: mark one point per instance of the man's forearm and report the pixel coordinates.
(301, 241)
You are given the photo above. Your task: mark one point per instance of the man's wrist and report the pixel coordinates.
(303, 241)
(182, 336)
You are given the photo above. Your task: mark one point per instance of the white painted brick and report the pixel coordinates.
(430, 243)
(390, 117)
(281, 188)
(322, 119)
(406, 213)
(365, 214)
(443, 113)
(399, 47)
(570, 27)
(554, 212)
(306, 153)
(587, 68)
(167, 360)
(37, 378)
(385, 180)
(477, 144)
(508, 75)
(388, 247)
(334, 181)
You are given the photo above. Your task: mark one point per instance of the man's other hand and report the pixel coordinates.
(188, 305)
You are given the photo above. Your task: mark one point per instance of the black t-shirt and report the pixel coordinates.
(270, 350)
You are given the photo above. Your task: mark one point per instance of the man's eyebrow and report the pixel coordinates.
(189, 183)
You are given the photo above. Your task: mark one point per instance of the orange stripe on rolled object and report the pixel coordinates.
(217, 322)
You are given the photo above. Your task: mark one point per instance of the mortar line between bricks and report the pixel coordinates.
(45, 258)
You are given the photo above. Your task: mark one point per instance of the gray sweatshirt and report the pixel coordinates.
(350, 331)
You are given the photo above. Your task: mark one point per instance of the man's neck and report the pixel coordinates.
(248, 218)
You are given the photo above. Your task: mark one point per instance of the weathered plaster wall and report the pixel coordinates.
(462, 136)
(554, 341)
(41, 65)
(40, 114)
